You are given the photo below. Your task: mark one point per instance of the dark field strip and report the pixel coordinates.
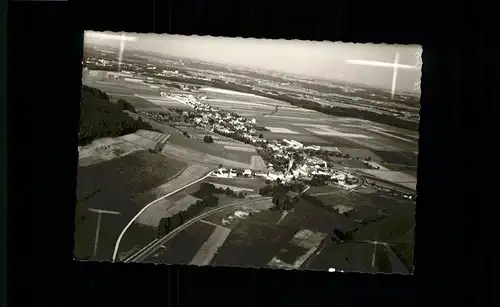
(183, 247)
(115, 184)
(397, 157)
(254, 247)
(120, 179)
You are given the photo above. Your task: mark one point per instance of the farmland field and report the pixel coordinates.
(210, 248)
(349, 257)
(387, 229)
(249, 183)
(182, 248)
(324, 190)
(399, 178)
(397, 157)
(249, 243)
(136, 237)
(361, 153)
(188, 175)
(116, 183)
(369, 134)
(134, 173)
(105, 149)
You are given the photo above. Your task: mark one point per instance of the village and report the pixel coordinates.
(287, 160)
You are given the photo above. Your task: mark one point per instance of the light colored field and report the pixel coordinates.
(190, 174)
(183, 153)
(120, 94)
(169, 103)
(395, 136)
(295, 109)
(186, 154)
(257, 163)
(229, 143)
(304, 138)
(312, 125)
(164, 208)
(105, 149)
(410, 185)
(331, 132)
(394, 176)
(225, 103)
(288, 118)
(281, 130)
(258, 205)
(330, 148)
(139, 141)
(222, 91)
(240, 148)
(232, 187)
(229, 163)
(249, 183)
(161, 101)
(208, 250)
(350, 126)
(304, 238)
(163, 128)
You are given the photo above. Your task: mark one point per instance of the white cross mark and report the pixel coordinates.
(98, 226)
(394, 66)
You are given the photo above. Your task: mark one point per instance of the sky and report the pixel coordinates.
(328, 60)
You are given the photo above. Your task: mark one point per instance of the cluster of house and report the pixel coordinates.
(98, 62)
(185, 99)
(208, 116)
(217, 119)
(285, 144)
(307, 171)
(226, 122)
(223, 172)
(311, 165)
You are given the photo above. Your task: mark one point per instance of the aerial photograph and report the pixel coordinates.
(219, 151)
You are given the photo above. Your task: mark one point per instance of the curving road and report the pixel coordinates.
(117, 244)
(155, 245)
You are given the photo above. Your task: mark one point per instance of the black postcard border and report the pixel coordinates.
(45, 46)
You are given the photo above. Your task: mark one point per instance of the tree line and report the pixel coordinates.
(285, 196)
(206, 199)
(100, 118)
(350, 112)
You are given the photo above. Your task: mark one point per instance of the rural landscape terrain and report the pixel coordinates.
(183, 161)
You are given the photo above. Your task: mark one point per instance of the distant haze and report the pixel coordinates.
(326, 60)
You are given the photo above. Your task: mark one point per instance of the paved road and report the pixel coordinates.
(155, 245)
(117, 245)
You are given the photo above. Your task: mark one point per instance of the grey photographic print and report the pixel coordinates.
(285, 154)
